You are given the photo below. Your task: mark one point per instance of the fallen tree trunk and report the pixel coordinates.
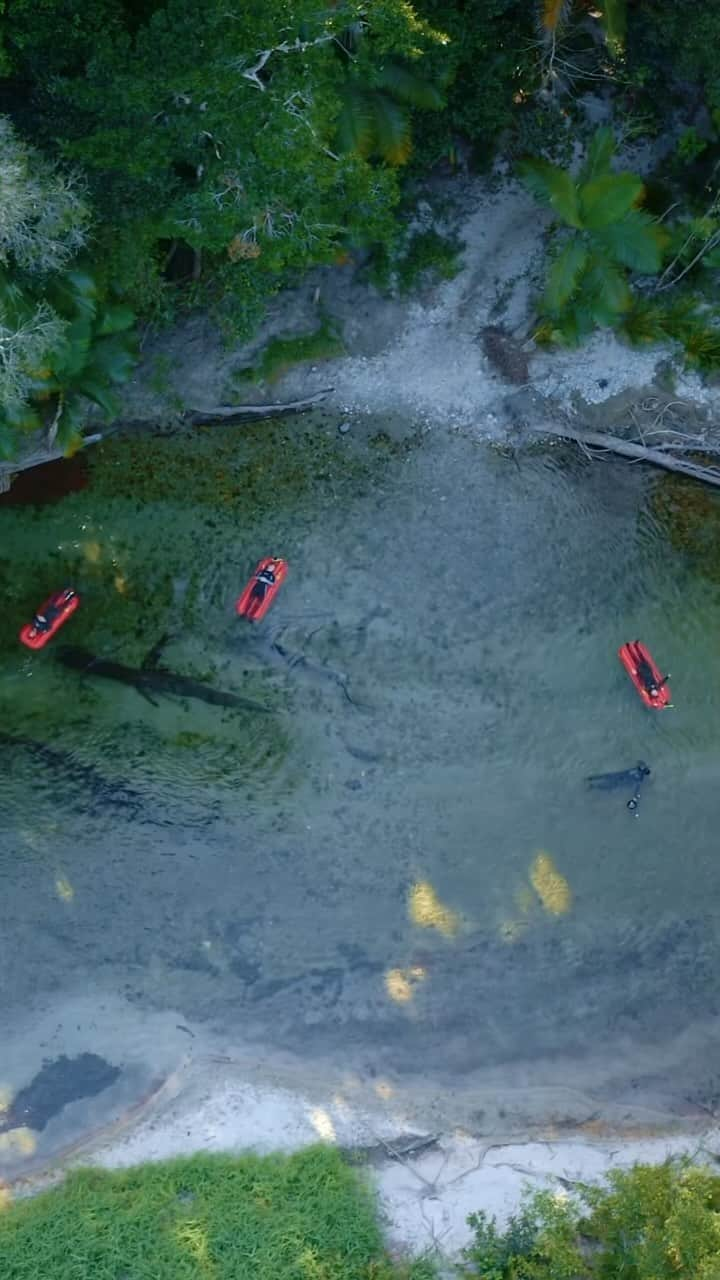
(637, 452)
(233, 413)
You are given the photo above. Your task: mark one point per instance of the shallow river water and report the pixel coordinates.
(399, 864)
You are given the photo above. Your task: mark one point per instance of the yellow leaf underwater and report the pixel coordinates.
(92, 552)
(426, 910)
(550, 886)
(17, 1143)
(64, 889)
(400, 983)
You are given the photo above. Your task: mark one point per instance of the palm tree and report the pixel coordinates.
(374, 117)
(606, 237)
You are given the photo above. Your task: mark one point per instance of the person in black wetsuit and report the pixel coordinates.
(645, 672)
(264, 579)
(623, 778)
(43, 621)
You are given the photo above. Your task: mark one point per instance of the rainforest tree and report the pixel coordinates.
(60, 344)
(233, 146)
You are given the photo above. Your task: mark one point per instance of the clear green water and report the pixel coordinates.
(260, 874)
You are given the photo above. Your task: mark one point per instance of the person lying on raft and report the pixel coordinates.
(264, 579)
(43, 621)
(650, 684)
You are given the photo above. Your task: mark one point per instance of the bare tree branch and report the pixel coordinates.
(296, 46)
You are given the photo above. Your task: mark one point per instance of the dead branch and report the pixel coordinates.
(236, 412)
(296, 46)
(636, 452)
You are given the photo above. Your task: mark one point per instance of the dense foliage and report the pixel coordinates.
(206, 154)
(303, 1217)
(652, 1222)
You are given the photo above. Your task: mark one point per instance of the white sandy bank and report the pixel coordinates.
(425, 1191)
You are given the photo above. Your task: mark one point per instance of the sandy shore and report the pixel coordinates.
(423, 358)
(435, 1152)
(427, 1182)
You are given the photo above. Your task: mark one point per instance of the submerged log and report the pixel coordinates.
(637, 452)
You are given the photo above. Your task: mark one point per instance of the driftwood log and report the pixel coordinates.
(253, 412)
(637, 452)
(43, 450)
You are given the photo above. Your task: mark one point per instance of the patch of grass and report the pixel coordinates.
(424, 257)
(208, 1217)
(282, 353)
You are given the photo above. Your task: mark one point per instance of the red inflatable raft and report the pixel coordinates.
(645, 674)
(49, 618)
(262, 588)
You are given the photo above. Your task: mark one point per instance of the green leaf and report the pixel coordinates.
(20, 416)
(8, 441)
(608, 291)
(553, 185)
(608, 198)
(69, 424)
(116, 319)
(97, 390)
(355, 123)
(637, 241)
(111, 359)
(710, 261)
(614, 20)
(81, 283)
(393, 140)
(576, 324)
(644, 323)
(564, 275)
(600, 153)
(408, 87)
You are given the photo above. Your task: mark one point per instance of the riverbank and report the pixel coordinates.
(391, 908)
(427, 1180)
(455, 354)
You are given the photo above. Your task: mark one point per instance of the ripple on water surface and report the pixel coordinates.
(404, 844)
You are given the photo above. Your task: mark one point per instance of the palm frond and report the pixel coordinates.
(608, 292)
(599, 155)
(564, 275)
(553, 185)
(409, 87)
(392, 136)
(608, 198)
(355, 123)
(637, 241)
(614, 21)
(644, 323)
